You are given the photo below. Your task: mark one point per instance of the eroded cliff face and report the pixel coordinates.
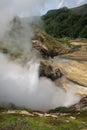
(47, 45)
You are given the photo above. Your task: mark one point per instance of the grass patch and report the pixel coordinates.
(24, 122)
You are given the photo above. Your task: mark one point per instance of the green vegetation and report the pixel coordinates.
(24, 122)
(65, 41)
(62, 110)
(66, 22)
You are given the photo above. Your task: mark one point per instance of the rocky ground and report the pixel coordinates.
(74, 66)
(69, 68)
(80, 51)
(25, 120)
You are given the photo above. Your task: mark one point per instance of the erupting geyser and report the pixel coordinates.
(22, 87)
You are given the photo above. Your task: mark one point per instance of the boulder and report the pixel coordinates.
(49, 71)
(82, 105)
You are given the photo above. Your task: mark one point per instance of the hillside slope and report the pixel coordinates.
(66, 22)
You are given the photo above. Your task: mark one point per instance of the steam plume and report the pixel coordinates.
(22, 87)
(11, 8)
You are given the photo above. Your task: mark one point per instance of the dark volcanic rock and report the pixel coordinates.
(47, 70)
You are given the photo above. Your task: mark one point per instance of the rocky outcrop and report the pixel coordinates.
(82, 105)
(47, 70)
(47, 45)
(41, 48)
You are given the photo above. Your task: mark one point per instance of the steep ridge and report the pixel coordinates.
(67, 22)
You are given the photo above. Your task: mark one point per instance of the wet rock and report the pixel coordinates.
(49, 71)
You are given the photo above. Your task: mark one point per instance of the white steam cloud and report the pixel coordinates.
(11, 8)
(22, 87)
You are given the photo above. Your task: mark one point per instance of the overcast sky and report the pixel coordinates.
(56, 4)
